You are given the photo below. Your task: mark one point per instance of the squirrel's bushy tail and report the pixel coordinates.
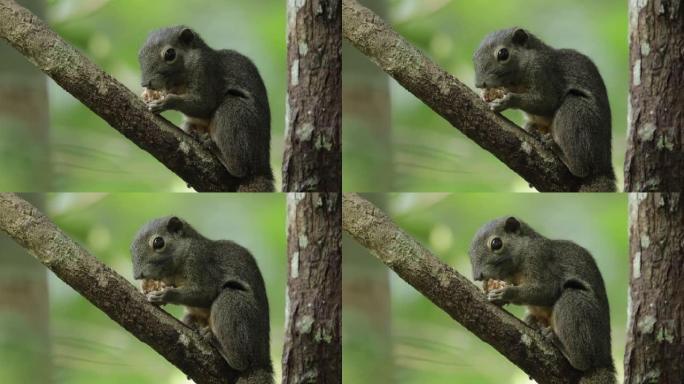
(257, 184)
(599, 376)
(601, 183)
(256, 376)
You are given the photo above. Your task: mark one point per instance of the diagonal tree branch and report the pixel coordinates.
(111, 293)
(111, 100)
(454, 101)
(453, 293)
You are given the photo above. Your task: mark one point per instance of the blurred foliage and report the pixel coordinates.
(87, 346)
(87, 154)
(429, 347)
(428, 153)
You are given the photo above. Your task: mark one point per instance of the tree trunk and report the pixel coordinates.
(366, 296)
(655, 341)
(312, 351)
(24, 299)
(655, 150)
(312, 160)
(24, 118)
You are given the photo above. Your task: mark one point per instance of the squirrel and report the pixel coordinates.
(561, 93)
(559, 283)
(219, 283)
(221, 96)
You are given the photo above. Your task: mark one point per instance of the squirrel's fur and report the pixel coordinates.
(221, 286)
(561, 92)
(221, 95)
(559, 283)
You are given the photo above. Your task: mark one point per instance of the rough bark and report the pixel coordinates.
(312, 160)
(111, 293)
(111, 100)
(454, 101)
(655, 148)
(655, 332)
(312, 351)
(453, 293)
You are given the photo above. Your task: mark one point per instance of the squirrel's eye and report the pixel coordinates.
(170, 54)
(496, 244)
(502, 54)
(158, 243)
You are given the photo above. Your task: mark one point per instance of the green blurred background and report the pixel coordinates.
(83, 345)
(85, 154)
(411, 340)
(402, 145)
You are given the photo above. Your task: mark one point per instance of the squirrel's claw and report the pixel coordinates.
(156, 106)
(500, 104)
(497, 296)
(157, 297)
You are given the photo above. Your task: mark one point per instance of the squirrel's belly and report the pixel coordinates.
(196, 124)
(199, 315)
(543, 124)
(541, 314)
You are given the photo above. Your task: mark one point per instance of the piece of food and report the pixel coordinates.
(491, 94)
(149, 285)
(151, 95)
(492, 284)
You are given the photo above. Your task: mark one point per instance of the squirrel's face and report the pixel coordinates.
(162, 58)
(159, 248)
(498, 58)
(494, 249)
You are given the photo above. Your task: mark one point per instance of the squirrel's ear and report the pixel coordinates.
(186, 36)
(520, 36)
(512, 225)
(174, 225)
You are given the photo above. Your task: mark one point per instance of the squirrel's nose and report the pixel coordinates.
(146, 84)
(139, 276)
(481, 84)
(479, 277)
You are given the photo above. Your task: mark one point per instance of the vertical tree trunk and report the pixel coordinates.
(24, 120)
(312, 160)
(24, 305)
(655, 150)
(655, 340)
(312, 352)
(366, 296)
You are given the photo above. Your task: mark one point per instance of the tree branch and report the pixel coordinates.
(111, 293)
(453, 293)
(111, 100)
(454, 101)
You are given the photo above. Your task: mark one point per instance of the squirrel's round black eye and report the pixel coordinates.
(170, 54)
(502, 54)
(496, 244)
(158, 243)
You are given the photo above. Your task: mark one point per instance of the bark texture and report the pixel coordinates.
(111, 100)
(454, 101)
(454, 294)
(312, 352)
(655, 333)
(655, 148)
(111, 293)
(312, 159)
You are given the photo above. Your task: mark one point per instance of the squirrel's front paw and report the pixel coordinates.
(500, 104)
(498, 296)
(156, 106)
(159, 297)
